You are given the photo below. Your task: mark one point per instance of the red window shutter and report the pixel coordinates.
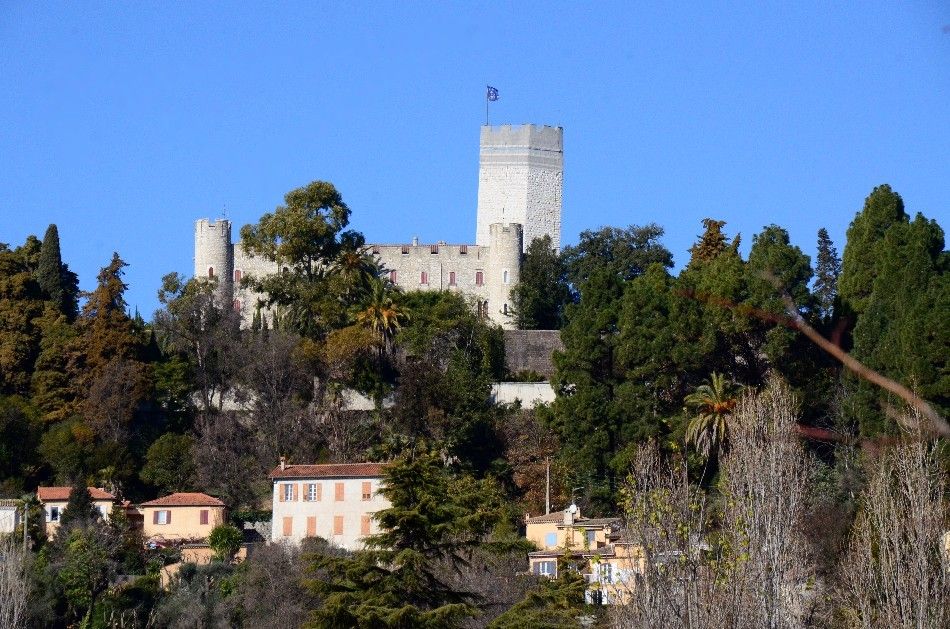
(451, 278)
(311, 526)
(367, 490)
(204, 516)
(280, 492)
(155, 517)
(288, 526)
(339, 492)
(295, 492)
(319, 491)
(364, 526)
(168, 520)
(338, 525)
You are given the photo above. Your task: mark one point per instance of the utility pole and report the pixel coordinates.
(26, 517)
(547, 486)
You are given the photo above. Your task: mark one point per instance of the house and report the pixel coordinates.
(593, 545)
(54, 501)
(10, 514)
(335, 501)
(181, 517)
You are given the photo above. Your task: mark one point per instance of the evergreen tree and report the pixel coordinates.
(552, 604)
(624, 252)
(712, 242)
(80, 510)
(394, 582)
(542, 292)
(59, 284)
(827, 271)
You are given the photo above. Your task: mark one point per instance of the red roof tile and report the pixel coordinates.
(331, 470)
(54, 494)
(184, 500)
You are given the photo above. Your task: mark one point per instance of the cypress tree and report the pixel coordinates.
(79, 511)
(57, 282)
(826, 275)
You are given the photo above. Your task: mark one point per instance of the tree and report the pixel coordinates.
(169, 463)
(225, 540)
(826, 275)
(394, 581)
(305, 238)
(624, 252)
(381, 314)
(85, 572)
(14, 583)
(552, 604)
(80, 510)
(59, 284)
(712, 243)
(714, 402)
(542, 293)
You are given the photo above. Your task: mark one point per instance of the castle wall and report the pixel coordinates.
(532, 350)
(214, 254)
(520, 180)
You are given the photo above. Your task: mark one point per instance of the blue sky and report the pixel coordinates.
(124, 122)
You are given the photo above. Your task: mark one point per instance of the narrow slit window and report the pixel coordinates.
(451, 278)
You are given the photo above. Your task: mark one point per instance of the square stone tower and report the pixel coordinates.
(520, 180)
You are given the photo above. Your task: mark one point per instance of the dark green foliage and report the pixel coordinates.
(169, 463)
(552, 604)
(624, 252)
(395, 582)
(58, 283)
(712, 243)
(225, 540)
(827, 270)
(80, 511)
(20, 430)
(542, 291)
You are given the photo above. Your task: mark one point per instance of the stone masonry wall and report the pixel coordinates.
(532, 350)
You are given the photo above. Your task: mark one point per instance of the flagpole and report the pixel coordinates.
(487, 101)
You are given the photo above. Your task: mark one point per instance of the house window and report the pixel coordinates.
(311, 526)
(338, 492)
(237, 275)
(210, 272)
(392, 277)
(313, 492)
(364, 525)
(203, 515)
(590, 537)
(424, 278)
(463, 249)
(479, 278)
(288, 492)
(434, 249)
(288, 526)
(605, 573)
(54, 514)
(550, 540)
(546, 568)
(405, 250)
(367, 490)
(451, 278)
(338, 525)
(504, 276)
(162, 517)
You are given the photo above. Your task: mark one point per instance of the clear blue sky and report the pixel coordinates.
(124, 122)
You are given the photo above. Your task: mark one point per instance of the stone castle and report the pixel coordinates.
(520, 182)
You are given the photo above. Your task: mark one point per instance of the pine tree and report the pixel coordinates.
(826, 275)
(80, 510)
(711, 243)
(394, 582)
(539, 298)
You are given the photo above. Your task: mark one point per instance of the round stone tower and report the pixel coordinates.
(214, 255)
(503, 269)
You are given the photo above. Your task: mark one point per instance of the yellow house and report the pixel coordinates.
(181, 517)
(569, 529)
(54, 501)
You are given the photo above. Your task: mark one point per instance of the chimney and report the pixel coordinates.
(569, 515)
(283, 463)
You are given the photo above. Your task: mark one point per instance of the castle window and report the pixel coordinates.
(376, 250)
(405, 250)
(505, 309)
(479, 278)
(504, 276)
(237, 305)
(451, 278)
(463, 249)
(423, 278)
(210, 272)
(237, 275)
(434, 249)
(392, 277)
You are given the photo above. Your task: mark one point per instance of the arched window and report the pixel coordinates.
(479, 278)
(451, 278)
(210, 272)
(424, 278)
(392, 277)
(237, 275)
(504, 276)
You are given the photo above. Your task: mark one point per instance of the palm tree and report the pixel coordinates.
(357, 269)
(714, 403)
(382, 315)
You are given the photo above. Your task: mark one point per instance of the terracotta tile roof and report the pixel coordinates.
(55, 494)
(331, 470)
(557, 516)
(184, 500)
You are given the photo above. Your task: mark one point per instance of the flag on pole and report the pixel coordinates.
(492, 93)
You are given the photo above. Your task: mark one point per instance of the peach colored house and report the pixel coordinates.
(181, 517)
(594, 545)
(334, 501)
(54, 501)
